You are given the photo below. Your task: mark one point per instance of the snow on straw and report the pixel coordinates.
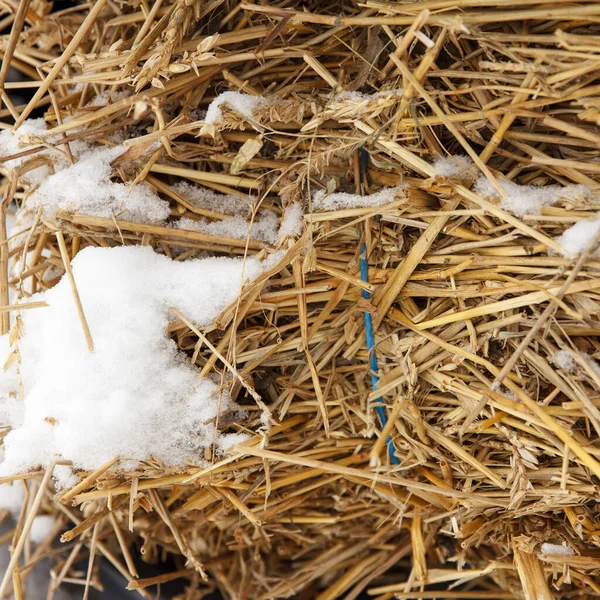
(341, 200)
(64, 477)
(527, 199)
(136, 396)
(563, 359)
(225, 204)
(85, 187)
(548, 548)
(291, 222)
(14, 142)
(243, 104)
(262, 229)
(578, 237)
(361, 96)
(451, 166)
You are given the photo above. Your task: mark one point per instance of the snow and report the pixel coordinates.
(578, 238)
(10, 403)
(265, 227)
(107, 97)
(548, 548)
(528, 199)
(13, 142)
(11, 497)
(209, 200)
(85, 187)
(341, 200)
(41, 528)
(563, 359)
(451, 166)
(361, 96)
(262, 229)
(244, 104)
(64, 477)
(136, 396)
(291, 222)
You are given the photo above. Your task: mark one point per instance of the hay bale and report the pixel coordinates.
(401, 333)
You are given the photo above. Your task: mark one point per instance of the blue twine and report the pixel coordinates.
(364, 274)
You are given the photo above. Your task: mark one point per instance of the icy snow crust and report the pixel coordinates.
(136, 396)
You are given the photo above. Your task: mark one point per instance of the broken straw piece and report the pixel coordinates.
(341, 200)
(578, 238)
(243, 104)
(136, 396)
(528, 199)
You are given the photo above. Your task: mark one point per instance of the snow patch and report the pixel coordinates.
(11, 497)
(528, 199)
(85, 187)
(136, 396)
(563, 359)
(451, 166)
(201, 197)
(578, 238)
(341, 200)
(13, 142)
(548, 548)
(291, 222)
(262, 229)
(64, 477)
(361, 96)
(244, 104)
(41, 528)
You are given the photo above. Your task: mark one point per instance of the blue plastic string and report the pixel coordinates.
(364, 274)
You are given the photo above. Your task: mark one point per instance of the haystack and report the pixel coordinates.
(302, 299)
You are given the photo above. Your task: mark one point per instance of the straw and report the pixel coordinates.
(444, 327)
